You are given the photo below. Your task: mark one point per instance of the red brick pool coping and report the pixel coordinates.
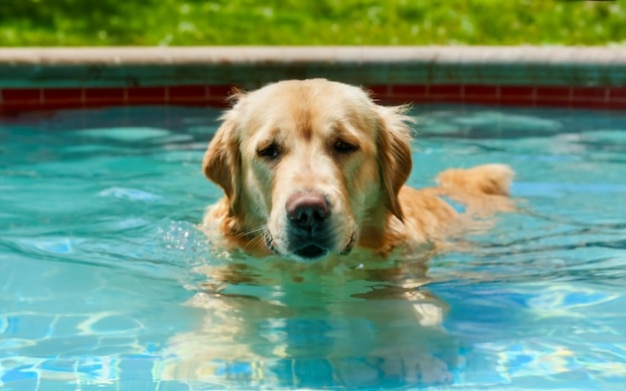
(48, 79)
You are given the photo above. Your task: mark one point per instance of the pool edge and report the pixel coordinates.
(34, 79)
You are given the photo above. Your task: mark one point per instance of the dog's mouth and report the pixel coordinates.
(309, 251)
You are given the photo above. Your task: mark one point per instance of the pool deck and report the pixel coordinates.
(53, 78)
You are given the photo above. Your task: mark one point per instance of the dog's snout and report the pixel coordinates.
(307, 209)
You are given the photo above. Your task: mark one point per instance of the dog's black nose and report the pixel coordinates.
(307, 209)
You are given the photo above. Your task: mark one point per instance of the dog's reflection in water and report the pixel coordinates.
(357, 328)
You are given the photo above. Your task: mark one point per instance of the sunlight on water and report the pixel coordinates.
(107, 284)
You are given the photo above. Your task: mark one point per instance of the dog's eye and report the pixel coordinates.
(271, 151)
(344, 147)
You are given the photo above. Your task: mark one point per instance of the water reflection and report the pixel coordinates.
(331, 330)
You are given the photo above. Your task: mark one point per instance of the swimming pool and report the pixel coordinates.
(99, 254)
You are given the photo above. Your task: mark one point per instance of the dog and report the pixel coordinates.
(315, 170)
(313, 174)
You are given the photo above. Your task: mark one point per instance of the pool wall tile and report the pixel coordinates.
(617, 93)
(187, 94)
(481, 90)
(517, 91)
(21, 99)
(553, 93)
(26, 95)
(590, 93)
(49, 79)
(104, 96)
(147, 95)
(405, 90)
(62, 95)
(221, 91)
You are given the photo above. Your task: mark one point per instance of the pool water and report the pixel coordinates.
(105, 283)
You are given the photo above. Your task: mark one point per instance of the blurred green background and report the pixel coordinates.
(311, 22)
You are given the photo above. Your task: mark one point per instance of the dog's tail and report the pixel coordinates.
(484, 189)
(488, 179)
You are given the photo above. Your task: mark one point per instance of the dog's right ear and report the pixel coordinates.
(222, 160)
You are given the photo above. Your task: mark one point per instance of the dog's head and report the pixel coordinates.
(309, 165)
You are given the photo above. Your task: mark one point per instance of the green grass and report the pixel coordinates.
(310, 22)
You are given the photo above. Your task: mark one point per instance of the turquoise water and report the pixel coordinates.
(102, 283)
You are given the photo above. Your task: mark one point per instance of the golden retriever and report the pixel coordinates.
(313, 173)
(315, 169)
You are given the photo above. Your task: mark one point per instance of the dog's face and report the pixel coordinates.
(309, 165)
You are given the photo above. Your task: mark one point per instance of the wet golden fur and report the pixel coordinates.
(306, 119)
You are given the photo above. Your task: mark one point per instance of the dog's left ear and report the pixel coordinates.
(394, 150)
